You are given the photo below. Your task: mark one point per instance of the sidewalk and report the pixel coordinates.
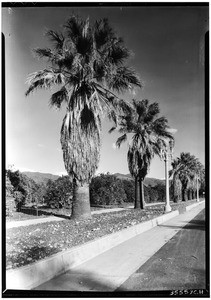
(107, 271)
(53, 218)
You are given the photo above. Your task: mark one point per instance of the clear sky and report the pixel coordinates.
(168, 45)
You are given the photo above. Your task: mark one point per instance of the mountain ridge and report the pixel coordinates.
(40, 177)
(149, 181)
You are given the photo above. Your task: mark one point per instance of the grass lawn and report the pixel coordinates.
(27, 244)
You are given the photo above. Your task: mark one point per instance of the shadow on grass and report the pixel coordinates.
(40, 212)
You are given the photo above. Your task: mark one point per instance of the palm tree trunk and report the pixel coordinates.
(81, 202)
(142, 202)
(184, 194)
(137, 193)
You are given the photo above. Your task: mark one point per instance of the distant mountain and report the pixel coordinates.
(147, 181)
(153, 181)
(123, 176)
(40, 177)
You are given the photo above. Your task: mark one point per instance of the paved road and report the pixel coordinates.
(178, 265)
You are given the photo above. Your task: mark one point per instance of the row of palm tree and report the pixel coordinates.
(188, 174)
(88, 62)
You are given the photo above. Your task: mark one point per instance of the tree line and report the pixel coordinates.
(105, 190)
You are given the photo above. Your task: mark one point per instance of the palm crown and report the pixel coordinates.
(88, 64)
(149, 135)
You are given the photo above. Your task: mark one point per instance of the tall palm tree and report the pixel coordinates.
(185, 168)
(197, 177)
(148, 137)
(88, 64)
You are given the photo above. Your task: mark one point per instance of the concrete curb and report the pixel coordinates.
(30, 276)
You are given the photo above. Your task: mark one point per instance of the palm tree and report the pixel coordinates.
(88, 64)
(197, 177)
(185, 169)
(148, 137)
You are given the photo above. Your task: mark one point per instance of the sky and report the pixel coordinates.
(168, 54)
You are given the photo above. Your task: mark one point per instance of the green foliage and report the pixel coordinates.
(17, 180)
(30, 191)
(106, 189)
(154, 193)
(9, 186)
(129, 187)
(19, 200)
(150, 194)
(59, 193)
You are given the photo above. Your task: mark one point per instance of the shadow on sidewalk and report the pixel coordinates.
(74, 280)
(193, 224)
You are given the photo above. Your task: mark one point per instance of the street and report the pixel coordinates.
(178, 265)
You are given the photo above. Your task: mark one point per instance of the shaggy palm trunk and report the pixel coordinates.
(142, 202)
(137, 193)
(81, 202)
(184, 194)
(175, 195)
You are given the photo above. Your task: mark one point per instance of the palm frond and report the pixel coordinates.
(103, 33)
(44, 79)
(141, 107)
(57, 38)
(74, 27)
(112, 129)
(152, 112)
(59, 97)
(45, 52)
(121, 139)
(118, 53)
(123, 79)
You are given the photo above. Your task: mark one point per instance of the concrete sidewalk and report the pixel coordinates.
(28, 222)
(107, 271)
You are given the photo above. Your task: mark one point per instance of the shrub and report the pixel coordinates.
(59, 193)
(9, 186)
(29, 189)
(129, 188)
(154, 193)
(106, 189)
(19, 200)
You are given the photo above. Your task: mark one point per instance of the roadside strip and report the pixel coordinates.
(14, 224)
(37, 273)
